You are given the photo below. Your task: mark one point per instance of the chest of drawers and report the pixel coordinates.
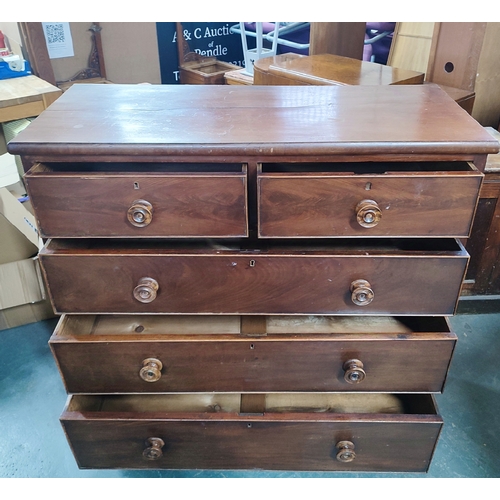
(253, 277)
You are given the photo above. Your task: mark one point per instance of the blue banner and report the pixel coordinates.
(206, 39)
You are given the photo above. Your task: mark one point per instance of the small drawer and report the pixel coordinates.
(140, 354)
(329, 432)
(128, 200)
(367, 199)
(348, 277)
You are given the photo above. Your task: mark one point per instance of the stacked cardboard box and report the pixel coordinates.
(22, 295)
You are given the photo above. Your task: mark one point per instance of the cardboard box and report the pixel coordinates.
(10, 131)
(23, 298)
(22, 292)
(25, 314)
(21, 282)
(8, 170)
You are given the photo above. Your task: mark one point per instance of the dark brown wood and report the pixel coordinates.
(464, 98)
(222, 439)
(343, 39)
(419, 277)
(325, 204)
(287, 393)
(253, 403)
(202, 203)
(483, 274)
(253, 325)
(99, 55)
(107, 355)
(228, 121)
(329, 69)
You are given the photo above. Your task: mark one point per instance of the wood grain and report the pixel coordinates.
(283, 441)
(95, 204)
(211, 120)
(329, 69)
(324, 204)
(263, 281)
(93, 362)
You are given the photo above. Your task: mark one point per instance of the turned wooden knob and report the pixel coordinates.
(151, 370)
(140, 214)
(368, 213)
(361, 293)
(353, 371)
(146, 290)
(153, 451)
(346, 452)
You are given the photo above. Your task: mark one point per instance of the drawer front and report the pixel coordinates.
(134, 354)
(237, 283)
(288, 441)
(336, 205)
(139, 205)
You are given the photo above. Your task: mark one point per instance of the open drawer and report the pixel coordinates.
(339, 277)
(139, 200)
(330, 432)
(151, 354)
(412, 199)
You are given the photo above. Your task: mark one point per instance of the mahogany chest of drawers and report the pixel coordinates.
(253, 277)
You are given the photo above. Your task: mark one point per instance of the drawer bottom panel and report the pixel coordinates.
(104, 433)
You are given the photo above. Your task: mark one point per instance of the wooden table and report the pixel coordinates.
(329, 69)
(25, 96)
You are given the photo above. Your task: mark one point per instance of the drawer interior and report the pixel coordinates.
(102, 169)
(224, 403)
(361, 246)
(369, 167)
(75, 326)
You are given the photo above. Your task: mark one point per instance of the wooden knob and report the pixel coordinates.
(361, 293)
(153, 451)
(140, 214)
(346, 452)
(146, 290)
(151, 370)
(353, 371)
(368, 213)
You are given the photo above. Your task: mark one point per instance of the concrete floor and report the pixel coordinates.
(32, 444)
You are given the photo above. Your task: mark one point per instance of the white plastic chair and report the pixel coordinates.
(259, 51)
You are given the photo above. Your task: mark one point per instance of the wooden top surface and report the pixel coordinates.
(253, 120)
(328, 69)
(23, 89)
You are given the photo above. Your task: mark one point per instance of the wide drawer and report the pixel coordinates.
(110, 354)
(139, 200)
(331, 432)
(374, 277)
(367, 199)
